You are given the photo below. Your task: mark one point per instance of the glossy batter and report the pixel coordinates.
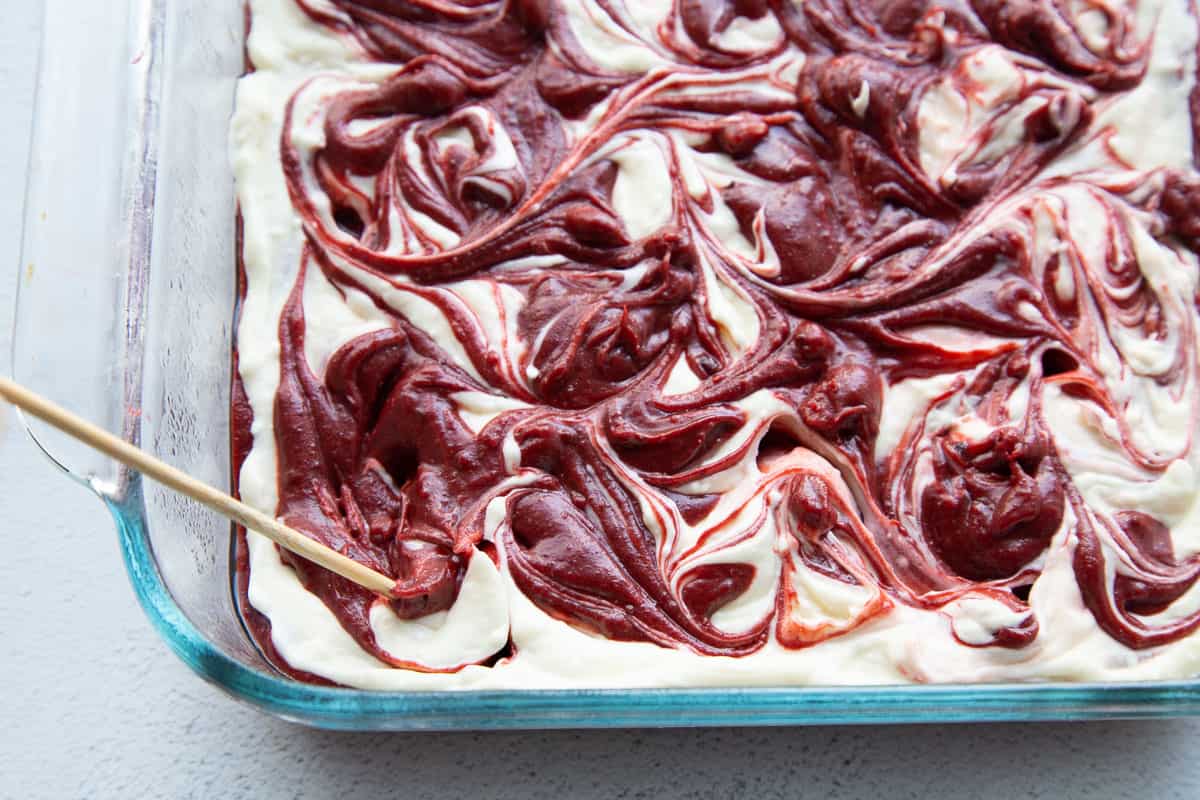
(722, 342)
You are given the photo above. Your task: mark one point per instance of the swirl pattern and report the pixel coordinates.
(736, 325)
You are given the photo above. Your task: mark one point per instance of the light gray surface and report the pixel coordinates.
(95, 706)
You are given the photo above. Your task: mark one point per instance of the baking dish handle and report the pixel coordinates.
(85, 249)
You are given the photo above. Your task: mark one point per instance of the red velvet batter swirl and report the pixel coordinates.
(375, 459)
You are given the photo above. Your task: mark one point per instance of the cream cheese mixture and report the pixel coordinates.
(721, 342)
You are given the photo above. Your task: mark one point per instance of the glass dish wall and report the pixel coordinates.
(125, 315)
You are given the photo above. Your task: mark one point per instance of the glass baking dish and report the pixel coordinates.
(125, 315)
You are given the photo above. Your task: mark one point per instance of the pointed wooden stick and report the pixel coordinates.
(172, 478)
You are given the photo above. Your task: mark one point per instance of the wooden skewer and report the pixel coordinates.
(172, 478)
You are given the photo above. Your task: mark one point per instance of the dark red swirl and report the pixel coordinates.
(486, 148)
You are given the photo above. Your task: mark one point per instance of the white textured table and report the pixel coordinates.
(95, 706)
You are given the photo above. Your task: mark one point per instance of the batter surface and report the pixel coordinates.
(722, 342)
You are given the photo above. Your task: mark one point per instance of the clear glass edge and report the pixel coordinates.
(131, 235)
(350, 709)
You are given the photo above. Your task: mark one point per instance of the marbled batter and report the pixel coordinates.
(722, 342)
